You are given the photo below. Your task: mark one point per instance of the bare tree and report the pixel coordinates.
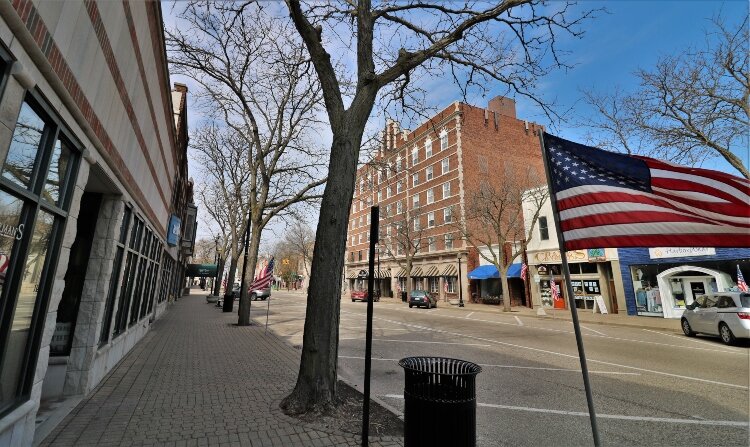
(495, 223)
(512, 42)
(300, 241)
(692, 107)
(255, 73)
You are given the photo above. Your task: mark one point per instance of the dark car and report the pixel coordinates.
(361, 295)
(422, 298)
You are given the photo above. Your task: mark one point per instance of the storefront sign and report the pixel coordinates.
(680, 252)
(554, 257)
(10, 231)
(601, 304)
(596, 255)
(173, 230)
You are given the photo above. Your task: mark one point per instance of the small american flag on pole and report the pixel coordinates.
(555, 290)
(605, 199)
(265, 277)
(741, 284)
(524, 269)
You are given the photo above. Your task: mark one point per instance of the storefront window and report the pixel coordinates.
(451, 281)
(11, 230)
(24, 147)
(58, 170)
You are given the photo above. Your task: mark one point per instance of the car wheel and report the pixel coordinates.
(411, 305)
(264, 298)
(726, 334)
(253, 297)
(687, 329)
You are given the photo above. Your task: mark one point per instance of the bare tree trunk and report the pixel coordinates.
(316, 382)
(230, 276)
(252, 260)
(506, 289)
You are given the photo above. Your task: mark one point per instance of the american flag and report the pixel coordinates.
(741, 284)
(263, 280)
(524, 269)
(607, 199)
(555, 290)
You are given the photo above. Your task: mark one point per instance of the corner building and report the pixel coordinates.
(95, 198)
(422, 179)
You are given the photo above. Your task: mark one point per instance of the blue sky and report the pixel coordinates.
(632, 35)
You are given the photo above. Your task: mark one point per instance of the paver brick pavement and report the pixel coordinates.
(198, 379)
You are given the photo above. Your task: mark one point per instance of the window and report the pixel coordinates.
(368, 219)
(115, 277)
(430, 220)
(434, 284)
(380, 177)
(388, 231)
(415, 179)
(416, 223)
(430, 195)
(449, 241)
(353, 241)
(445, 164)
(388, 210)
(427, 148)
(399, 186)
(443, 140)
(389, 192)
(400, 251)
(417, 244)
(451, 284)
(367, 239)
(415, 201)
(431, 246)
(428, 173)
(414, 156)
(351, 256)
(359, 255)
(361, 186)
(361, 221)
(360, 237)
(36, 183)
(543, 230)
(380, 196)
(399, 207)
(399, 164)
(448, 215)
(446, 190)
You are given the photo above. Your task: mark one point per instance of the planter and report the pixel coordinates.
(211, 298)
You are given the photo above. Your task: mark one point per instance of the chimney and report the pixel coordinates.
(503, 106)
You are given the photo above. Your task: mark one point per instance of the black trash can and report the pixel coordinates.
(403, 296)
(228, 302)
(440, 407)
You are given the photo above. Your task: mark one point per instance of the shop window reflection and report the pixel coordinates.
(24, 146)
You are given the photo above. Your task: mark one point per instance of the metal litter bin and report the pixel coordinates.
(403, 296)
(439, 402)
(228, 302)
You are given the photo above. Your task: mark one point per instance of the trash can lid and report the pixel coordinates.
(440, 365)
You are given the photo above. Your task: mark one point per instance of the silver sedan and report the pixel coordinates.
(726, 314)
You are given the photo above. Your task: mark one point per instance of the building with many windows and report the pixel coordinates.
(421, 180)
(96, 214)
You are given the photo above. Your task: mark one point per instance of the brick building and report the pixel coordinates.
(422, 179)
(95, 199)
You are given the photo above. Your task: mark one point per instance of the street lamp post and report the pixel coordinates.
(460, 285)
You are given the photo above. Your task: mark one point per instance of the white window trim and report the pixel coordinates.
(430, 196)
(430, 218)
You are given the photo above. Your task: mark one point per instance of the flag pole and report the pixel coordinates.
(571, 297)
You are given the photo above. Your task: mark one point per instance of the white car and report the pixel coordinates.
(726, 314)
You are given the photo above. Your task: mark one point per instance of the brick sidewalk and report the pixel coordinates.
(196, 379)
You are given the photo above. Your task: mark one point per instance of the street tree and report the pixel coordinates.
(382, 48)
(254, 74)
(496, 224)
(300, 241)
(691, 107)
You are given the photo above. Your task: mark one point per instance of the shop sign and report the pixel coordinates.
(542, 269)
(680, 252)
(173, 230)
(596, 255)
(553, 256)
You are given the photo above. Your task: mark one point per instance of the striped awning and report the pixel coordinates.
(416, 271)
(449, 270)
(351, 274)
(401, 273)
(432, 271)
(354, 274)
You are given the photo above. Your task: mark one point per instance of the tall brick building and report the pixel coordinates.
(422, 179)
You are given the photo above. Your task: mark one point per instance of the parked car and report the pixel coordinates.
(422, 298)
(361, 295)
(726, 314)
(258, 294)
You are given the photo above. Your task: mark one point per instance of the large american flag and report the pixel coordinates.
(264, 279)
(607, 199)
(741, 284)
(554, 290)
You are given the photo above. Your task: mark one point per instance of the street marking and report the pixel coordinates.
(416, 341)
(520, 323)
(605, 416)
(592, 330)
(545, 351)
(470, 314)
(512, 367)
(700, 342)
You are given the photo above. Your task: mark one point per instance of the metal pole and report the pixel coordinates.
(571, 297)
(374, 219)
(460, 284)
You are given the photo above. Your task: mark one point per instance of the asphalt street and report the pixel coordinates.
(651, 387)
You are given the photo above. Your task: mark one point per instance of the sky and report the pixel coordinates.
(631, 35)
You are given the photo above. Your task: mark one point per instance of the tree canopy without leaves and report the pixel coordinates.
(692, 107)
(254, 74)
(382, 48)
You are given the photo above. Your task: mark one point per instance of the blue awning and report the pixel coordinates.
(489, 271)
